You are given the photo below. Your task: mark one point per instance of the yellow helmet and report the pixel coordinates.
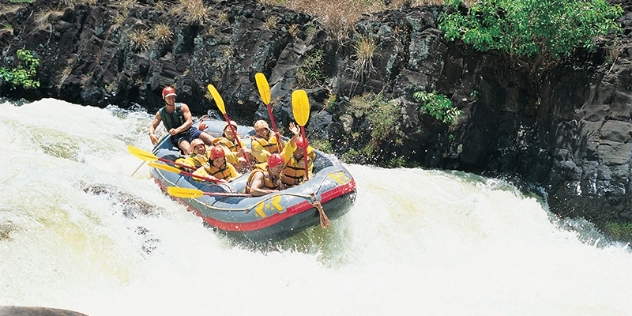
(196, 142)
(261, 124)
(233, 123)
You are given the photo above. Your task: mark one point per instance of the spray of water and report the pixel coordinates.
(78, 232)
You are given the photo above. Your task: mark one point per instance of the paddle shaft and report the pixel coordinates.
(274, 128)
(195, 193)
(182, 172)
(305, 153)
(237, 139)
(159, 144)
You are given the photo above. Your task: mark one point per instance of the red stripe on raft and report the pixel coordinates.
(275, 218)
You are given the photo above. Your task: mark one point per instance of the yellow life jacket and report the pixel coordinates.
(232, 149)
(294, 171)
(231, 145)
(224, 172)
(193, 160)
(268, 181)
(259, 145)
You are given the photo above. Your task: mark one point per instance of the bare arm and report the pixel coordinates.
(152, 128)
(256, 187)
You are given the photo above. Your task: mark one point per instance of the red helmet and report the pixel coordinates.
(217, 152)
(168, 91)
(274, 160)
(301, 142)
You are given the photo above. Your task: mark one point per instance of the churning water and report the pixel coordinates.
(78, 232)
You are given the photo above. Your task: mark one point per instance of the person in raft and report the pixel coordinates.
(294, 169)
(177, 119)
(198, 157)
(234, 154)
(264, 142)
(266, 178)
(217, 167)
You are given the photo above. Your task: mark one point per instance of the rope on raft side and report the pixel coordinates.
(324, 220)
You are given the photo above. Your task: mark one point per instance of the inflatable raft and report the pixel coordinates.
(328, 194)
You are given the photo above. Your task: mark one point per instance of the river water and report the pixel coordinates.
(79, 232)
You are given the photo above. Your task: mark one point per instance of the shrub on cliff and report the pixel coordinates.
(535, 33)
(24, 73)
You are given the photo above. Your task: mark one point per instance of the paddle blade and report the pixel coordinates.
(144, 155)
(264, 88)
(300, 107)
(164, 167)
(184, 192)
(217, 98)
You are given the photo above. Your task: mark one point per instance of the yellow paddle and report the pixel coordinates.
(147, 156)
(194, 193)
(220, 105)
(264, 91)
(300, 109)
(181, 172)
(164, 138)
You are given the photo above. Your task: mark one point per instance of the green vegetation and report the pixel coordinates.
(21, 1)
(310, 72)
(322, 145)
(536, 33)
(23, 75)
(619, 231)
(381, 113)
(330, 103)
(437, 105)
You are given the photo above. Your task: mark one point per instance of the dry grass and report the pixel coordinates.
(72, 3)
(293, 29)
(270, 23)
(141, 40)
(273, 2)
(160, 6)
(11, 8)
(119, 18)
(127, 4)
(222, 17)
(339, 16)
(43, 17)
(161, 32)
(364, 47)
(194, 11)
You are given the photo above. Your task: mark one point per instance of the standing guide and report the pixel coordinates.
(177, 119)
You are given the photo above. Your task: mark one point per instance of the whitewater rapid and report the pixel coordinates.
(78, 232)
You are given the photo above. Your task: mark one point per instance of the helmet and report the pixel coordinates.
(196, 142)
(217, 152)
(301, 142)
(233, 124)
(274, 160)
(168, 91)
(261, 124)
